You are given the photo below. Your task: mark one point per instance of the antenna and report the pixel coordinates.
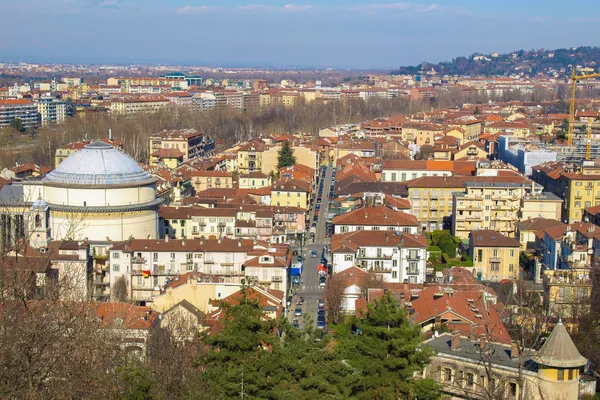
(110, 134)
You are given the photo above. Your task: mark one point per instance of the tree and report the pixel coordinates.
(476, 112)
(334, 297)
(17, 124)
(286, 156)
(447, 245)
(385, 354)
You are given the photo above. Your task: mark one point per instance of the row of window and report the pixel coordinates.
(469, 380)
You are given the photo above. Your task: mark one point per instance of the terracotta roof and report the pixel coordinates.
(124, 315)
(376, 216)
(291, 185)
(187, 245)
(489, 238)
(535, 224)
(174, 212)
(167, 153)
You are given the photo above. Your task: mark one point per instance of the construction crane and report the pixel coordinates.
(588, 142)
(573, 84)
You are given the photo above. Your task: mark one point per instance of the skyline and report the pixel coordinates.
(338, 34)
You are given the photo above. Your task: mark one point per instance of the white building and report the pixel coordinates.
(149, 265)
(405, 170)
(396, 256)
(379, 218)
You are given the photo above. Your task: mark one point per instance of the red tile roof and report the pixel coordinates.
(376, 216)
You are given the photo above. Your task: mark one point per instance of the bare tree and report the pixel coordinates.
(334, 298)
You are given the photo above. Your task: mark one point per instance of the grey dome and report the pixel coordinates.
(98, 163)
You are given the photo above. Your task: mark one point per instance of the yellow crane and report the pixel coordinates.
(573, 84)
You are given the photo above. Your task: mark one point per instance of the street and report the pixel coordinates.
(309, 287)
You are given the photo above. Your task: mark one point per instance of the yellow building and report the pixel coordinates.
(250, 156)
(291, 193)
(581, 190)
(471, 151)
(135, 104)
(170, 158)
(495, 256)
(470, 125)
(431, 199)
(519, 129)
(304, 155)
(310, 95)
(567, 293)
(265, 100)
(421, 134)
(542, 205)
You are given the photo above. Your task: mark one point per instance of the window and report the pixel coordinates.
(512, 389)
(348, 257)
(394, 263)
(512, 253)
(115, 256)
(480, 255)
(571, 374)
(394, 274)
(561, 374)
(511, 268)
(172, 256)
(115, 267)
(375, 228)
(495, 252)
(470, 381)
(379, 252)
(446, 375)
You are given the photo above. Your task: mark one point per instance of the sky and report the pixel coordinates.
(270, 33)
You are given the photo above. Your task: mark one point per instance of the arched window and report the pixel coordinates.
(38, 221)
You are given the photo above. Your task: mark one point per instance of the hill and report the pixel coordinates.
(555, 63)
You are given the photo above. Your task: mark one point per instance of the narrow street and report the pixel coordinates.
(309, 287)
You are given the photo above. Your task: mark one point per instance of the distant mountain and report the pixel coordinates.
(555, 63)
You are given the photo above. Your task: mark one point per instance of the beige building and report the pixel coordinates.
(490, 205)
(470, 125)
(495, 256)
(189, 141)
(541, 205)
(291, 193)
(488, 370)
(197, 222)
(421, 134)
(254, 180)
(203, 180)
(135, 104)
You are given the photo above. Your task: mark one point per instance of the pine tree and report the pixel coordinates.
(286, 156)
(385, 354)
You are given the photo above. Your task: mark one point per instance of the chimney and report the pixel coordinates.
(514, 351)
(239, 242)
(166, 238)
(183, 242)
(455, 343)
(110, 134)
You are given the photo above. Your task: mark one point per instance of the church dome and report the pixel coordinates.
(98, 163)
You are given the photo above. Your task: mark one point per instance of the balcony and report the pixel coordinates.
(209, 261)
(578, 196)
(475, 206)
(138, 260)
(277, 279)
(495, 260)
(412, 271)
(376, 257)
(473, 217)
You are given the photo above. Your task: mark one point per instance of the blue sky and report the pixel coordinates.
(337, 33)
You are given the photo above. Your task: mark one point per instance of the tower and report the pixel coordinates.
(559, 362)
(39, 224)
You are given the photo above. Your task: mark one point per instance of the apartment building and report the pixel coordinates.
(136, 104)
(149, 265)
(493, 204)
(378, 218)
(431, 199)
(404, 170)
(495, 256)
(291, 193)
(52, 110)
(470, 125)
(190, 142)
(204, 101)
(250, 156)
(170, 158)
(22, 109)
(174, 82)
(421, 133)
(305, 155)
(518, 129)
(254, 180)
(203, 180)
(196, 222)
(395, 256)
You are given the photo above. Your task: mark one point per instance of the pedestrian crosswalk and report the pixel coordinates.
(305, 288)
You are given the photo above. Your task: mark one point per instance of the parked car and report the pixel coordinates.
(296, 280)
(322, 281)
(301, 301)
(321, 303)
(321, 324)
(299, 258)
(298, 312)
(313, 254)
(295, 324)
(321, 313)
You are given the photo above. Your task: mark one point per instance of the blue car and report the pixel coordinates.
(321, 324)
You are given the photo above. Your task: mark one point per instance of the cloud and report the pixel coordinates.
(197, 9)
(255, 7)
(296, 8)
(404, 6)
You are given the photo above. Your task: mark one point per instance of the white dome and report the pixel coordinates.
(98, 163)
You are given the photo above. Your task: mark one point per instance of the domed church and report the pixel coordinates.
(99, 194)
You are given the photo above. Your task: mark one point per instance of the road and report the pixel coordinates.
(309, 287)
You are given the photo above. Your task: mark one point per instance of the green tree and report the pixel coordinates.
(384, 355)
(446, 243)
(476, 112)
(17, 124)
(286, 156)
